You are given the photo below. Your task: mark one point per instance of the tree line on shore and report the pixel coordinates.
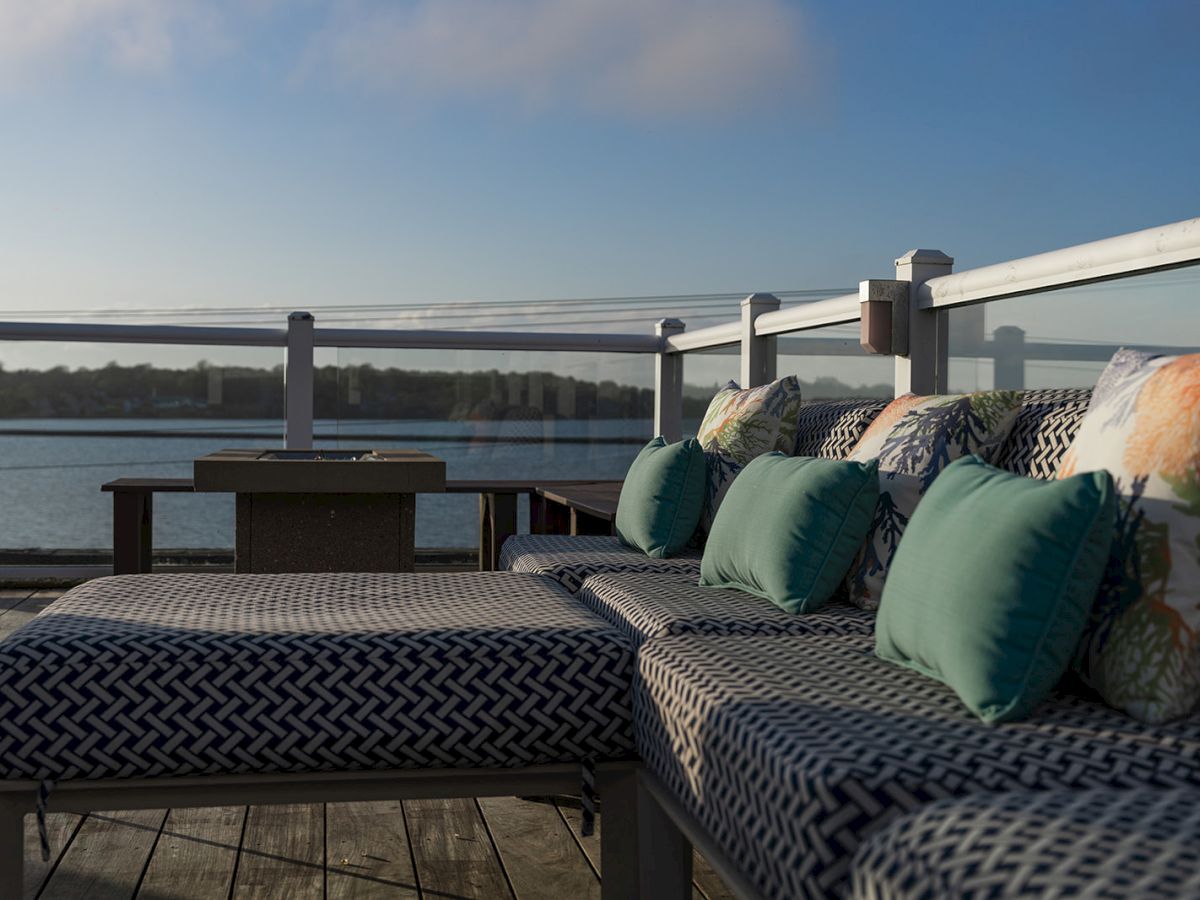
(348, 392)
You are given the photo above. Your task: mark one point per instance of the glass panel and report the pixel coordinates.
(704, 373)
(832, 365)
(73, 416)
(491, 416)
(1065, 338)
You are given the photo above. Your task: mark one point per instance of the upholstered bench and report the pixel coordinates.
(570, 560)
(1131, 844)
(643, 608)
(790, 751)
(201, 689)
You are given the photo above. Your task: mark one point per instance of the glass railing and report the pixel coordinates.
(832, 365)
(704, 373)
(491, 416)
(1064, 338)
(73, 416)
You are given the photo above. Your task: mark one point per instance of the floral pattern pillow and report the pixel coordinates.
(1141, 650)
(914, 439)
(741, 425)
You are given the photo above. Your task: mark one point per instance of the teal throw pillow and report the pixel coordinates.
(789, 527)
(662, 497)
(993, 582)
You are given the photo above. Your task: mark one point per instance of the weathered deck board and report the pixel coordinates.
(537, 849)
(453, 851)
(60, 829)
(196, 854)
(283, 853)
(367, 852)
(24, 608)
(107, 857)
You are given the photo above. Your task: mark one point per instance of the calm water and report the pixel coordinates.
(50, 485)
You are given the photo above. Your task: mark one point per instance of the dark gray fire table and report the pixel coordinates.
(323, 510)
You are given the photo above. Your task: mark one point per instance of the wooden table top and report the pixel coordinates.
(598, 499)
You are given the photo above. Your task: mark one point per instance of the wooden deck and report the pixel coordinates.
(488, 848)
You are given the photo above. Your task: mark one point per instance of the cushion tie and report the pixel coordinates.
(43, 798)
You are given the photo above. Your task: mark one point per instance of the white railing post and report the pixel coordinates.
(1008, 358)
(298, 381)
(924, 369)
(758, 352)
(668, 385)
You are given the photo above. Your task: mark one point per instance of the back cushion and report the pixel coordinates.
(1044, 429)
(830, 428)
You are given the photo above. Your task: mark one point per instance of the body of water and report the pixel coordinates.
(50, 484)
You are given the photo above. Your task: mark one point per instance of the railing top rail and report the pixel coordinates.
(143, 334)
(804, 316)
(705, 338)
(1163, 247)
(597, 342)
(83, 332)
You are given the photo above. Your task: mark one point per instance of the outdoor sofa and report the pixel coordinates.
(782, 747)
(777, 744)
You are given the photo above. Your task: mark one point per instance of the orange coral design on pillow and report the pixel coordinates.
(1167, 440)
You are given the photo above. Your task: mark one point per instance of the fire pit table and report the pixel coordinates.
(323, 510)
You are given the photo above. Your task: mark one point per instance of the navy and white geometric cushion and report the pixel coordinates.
(830, 428)
(571, 560)
(1132, 844)
(189, 674)
(1044, 429)
(648, 607)
(791, 751)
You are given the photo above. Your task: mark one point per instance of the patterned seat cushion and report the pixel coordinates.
(571, 560)
(1055, 844)
(194, 674)
(791, 751)
(645, 608)
(830, 428)
(1044, 429)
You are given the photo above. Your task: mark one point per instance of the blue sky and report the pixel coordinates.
(179, 153)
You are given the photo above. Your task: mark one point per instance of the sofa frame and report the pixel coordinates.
(642, 852)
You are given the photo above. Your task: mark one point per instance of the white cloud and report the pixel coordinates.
(132, 35)
(631, 57)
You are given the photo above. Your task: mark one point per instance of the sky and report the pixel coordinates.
(264, 153)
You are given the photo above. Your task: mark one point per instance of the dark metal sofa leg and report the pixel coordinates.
(12, 847)
(642, 853)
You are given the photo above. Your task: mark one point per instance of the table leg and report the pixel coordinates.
(133, 532)
(538, 516)
(497, 523)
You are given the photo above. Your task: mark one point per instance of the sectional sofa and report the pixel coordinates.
(804, 766)
(778, 744)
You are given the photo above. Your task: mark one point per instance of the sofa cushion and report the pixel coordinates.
(914, 439)
(791, 751)
(150, 675)
(829, 429)
(1043, 431)
(1142, 648)
(644, 607)
(994, 581)
(790, 527)
(571, 559)
(1054, 844)
(661, 498)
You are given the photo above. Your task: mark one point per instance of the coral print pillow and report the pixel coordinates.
(1141, 650)
(914, 439)
(741, 425)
